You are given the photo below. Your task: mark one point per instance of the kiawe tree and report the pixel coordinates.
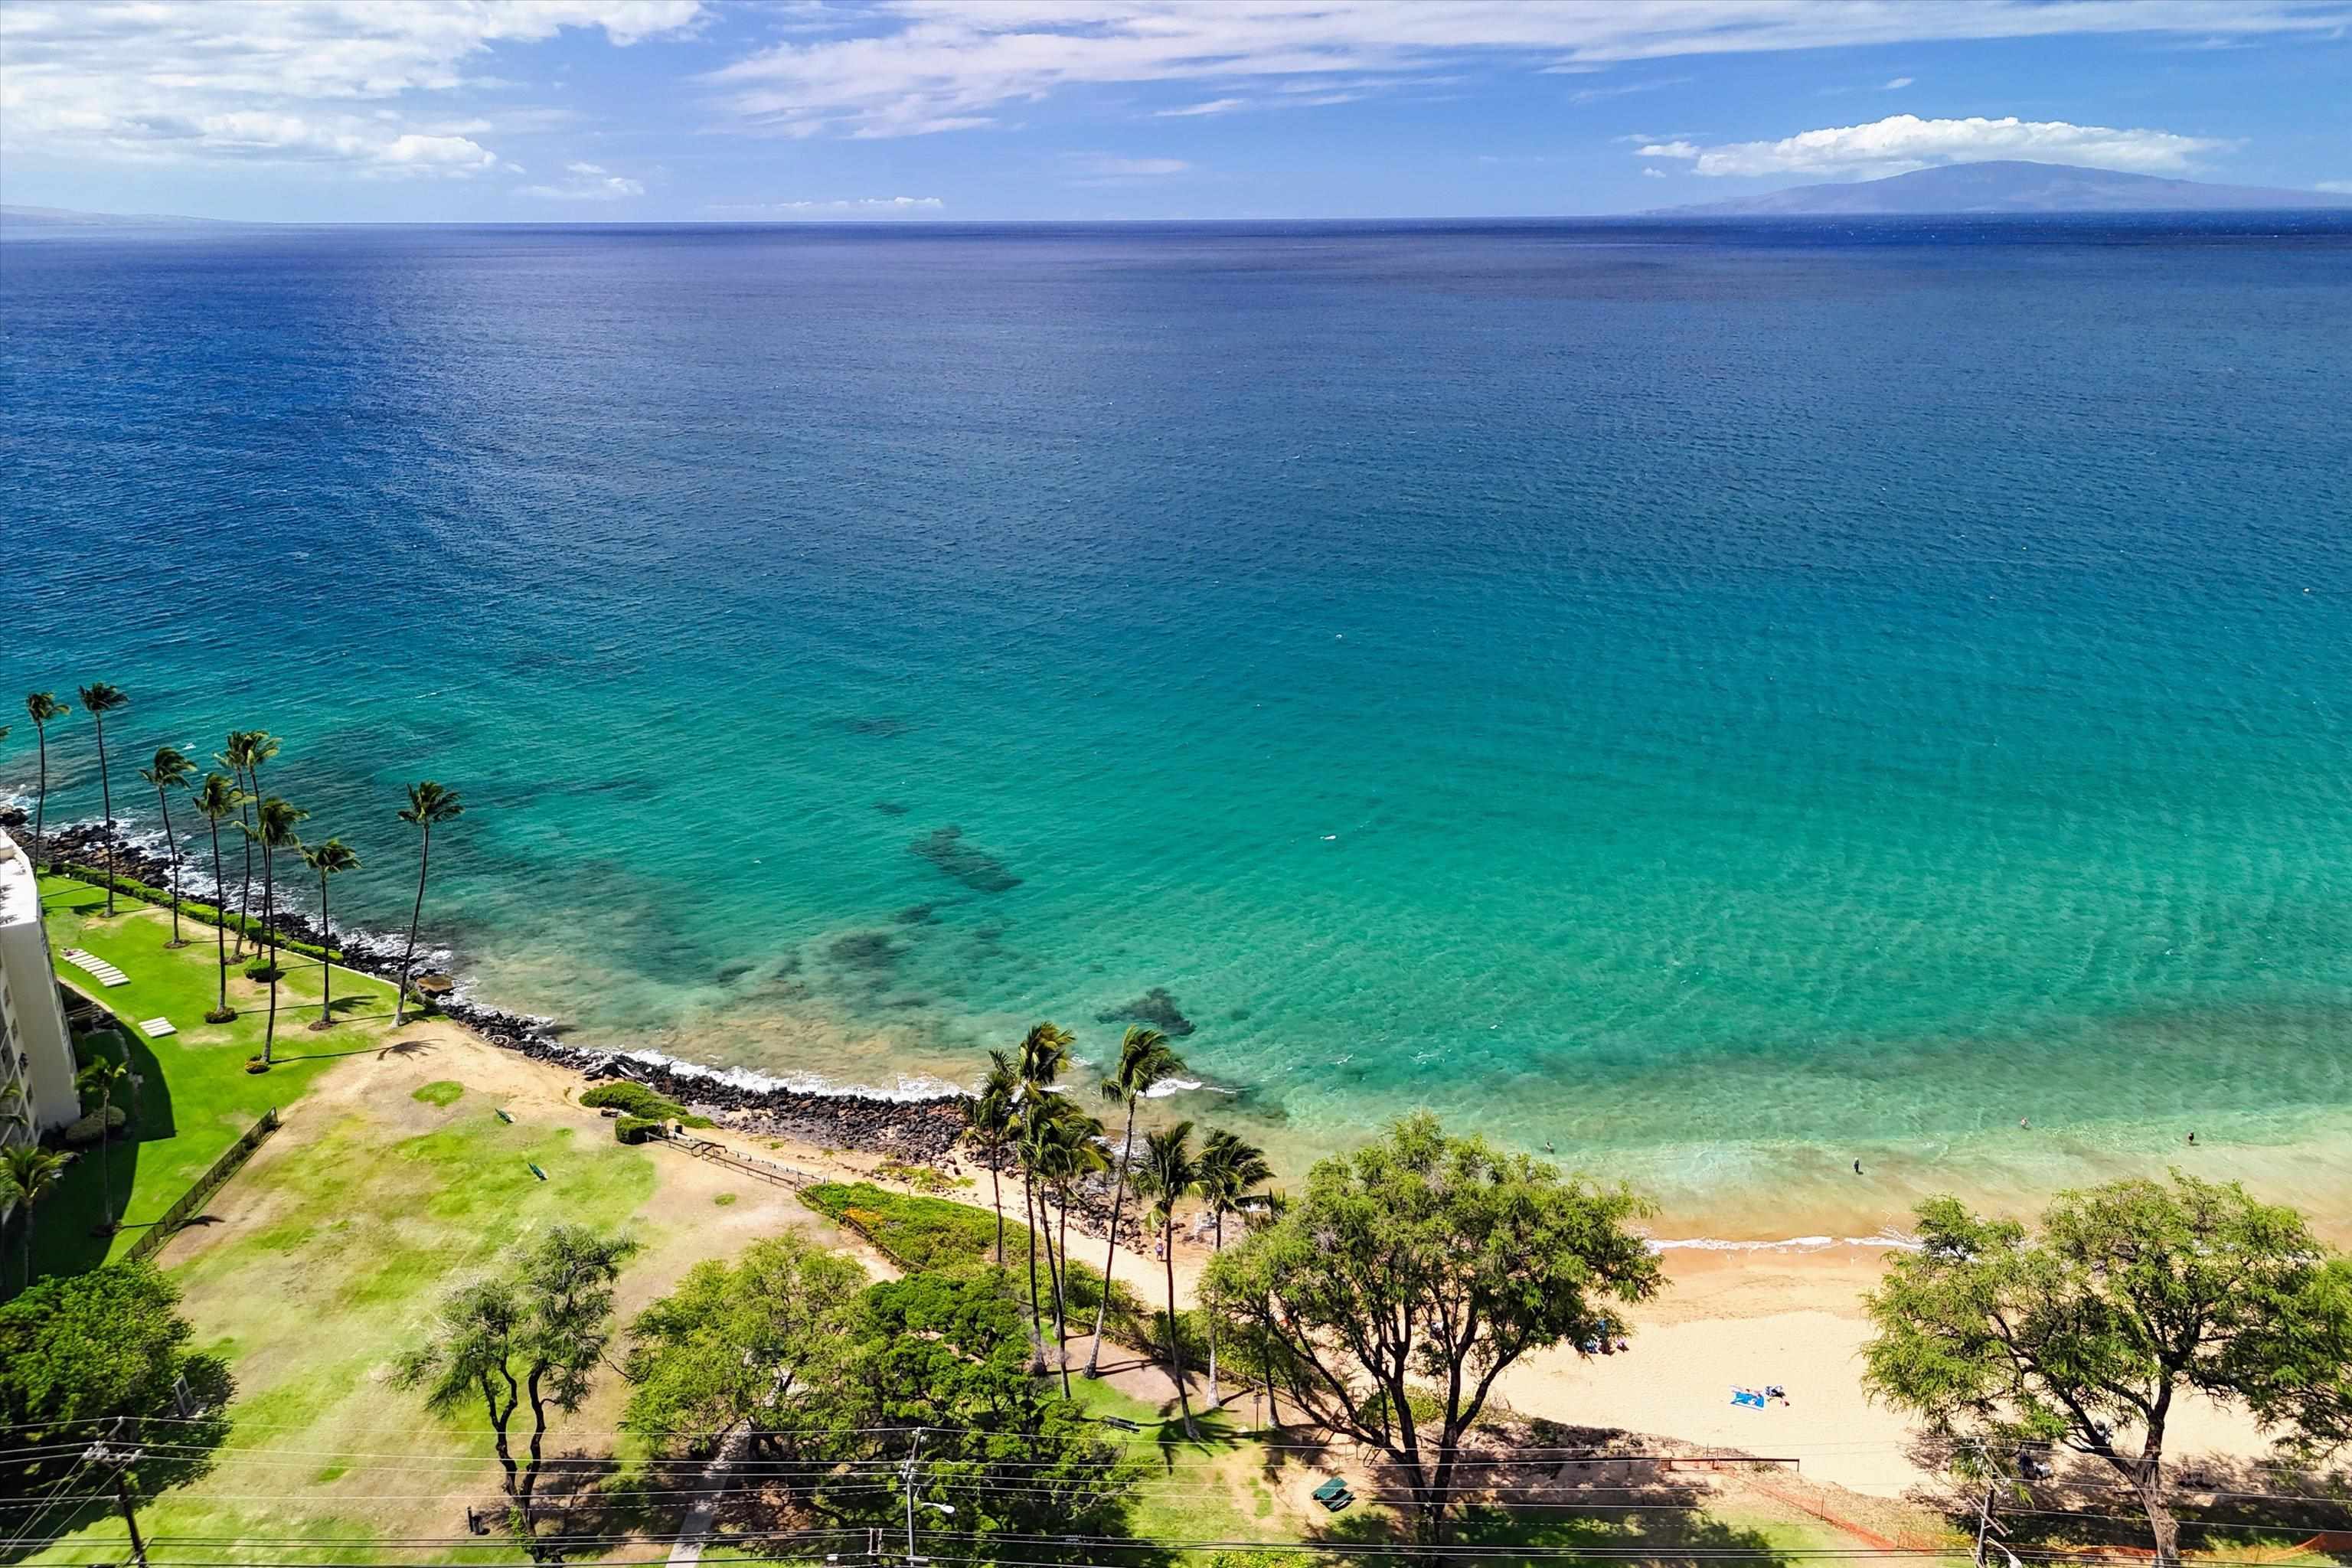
(429, 804)
(1145, 1060)
(331, 859)
(742, 1346)
(171, 770)
(2085, 1336)
(99, 700)
(42, 708)
(531, 1340)
(217, 800)
(1410, 1275)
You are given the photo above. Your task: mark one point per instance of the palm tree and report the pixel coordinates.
(1168, 1177)
(428, 803)
(1072, 1150)
(1145, 1059)
(1045, 1052)
(100, 1078)
(218, 799)
(331, 858)
(99, 700)
(1033, 1142)
(243, 755)
(1230, 1168)
(172, 770)
(42, 706)
(273, 826)
(988, 1122)
(27, 1174)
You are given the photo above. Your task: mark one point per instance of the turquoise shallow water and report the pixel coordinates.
(1720, 703)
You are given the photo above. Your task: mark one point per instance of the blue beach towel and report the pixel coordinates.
(1749, 1397)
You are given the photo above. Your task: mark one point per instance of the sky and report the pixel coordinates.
(714, 110)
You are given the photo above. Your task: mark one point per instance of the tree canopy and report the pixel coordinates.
(2085, 1335)
(77, 1351)
(1389, 1297)
(744, 1346)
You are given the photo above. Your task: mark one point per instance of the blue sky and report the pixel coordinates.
(570, 110)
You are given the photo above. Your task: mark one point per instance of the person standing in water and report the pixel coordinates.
(1857, 1167)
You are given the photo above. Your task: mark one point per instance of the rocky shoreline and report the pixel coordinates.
(920, 1131)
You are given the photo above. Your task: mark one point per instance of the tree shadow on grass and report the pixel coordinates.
(73, 1228)
(2220, 1502)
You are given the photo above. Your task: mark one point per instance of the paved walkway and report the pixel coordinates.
(695, 1528)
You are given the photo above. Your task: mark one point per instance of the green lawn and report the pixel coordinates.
(344, 1236)
(198, 1097)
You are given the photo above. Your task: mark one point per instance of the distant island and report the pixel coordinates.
(67, 217)
(2010, 186)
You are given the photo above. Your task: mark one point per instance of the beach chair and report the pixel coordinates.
(156, 1028)
(1334, 1494)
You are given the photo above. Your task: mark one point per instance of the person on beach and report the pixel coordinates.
(1857, 1167)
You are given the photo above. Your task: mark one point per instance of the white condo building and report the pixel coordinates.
(35, 1054)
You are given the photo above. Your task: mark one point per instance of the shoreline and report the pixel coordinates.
(1781, 1212)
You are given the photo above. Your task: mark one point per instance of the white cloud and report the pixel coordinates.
(935, 64)
(2335, 188)
(852, 206)
(594, 185)
(1897, 84)
(1102, 166)
(257, 79)
(1904, 142)
(1649, 173)
(1214, 106)
(1622, 89)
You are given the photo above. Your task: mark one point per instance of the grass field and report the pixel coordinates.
(196, 1098)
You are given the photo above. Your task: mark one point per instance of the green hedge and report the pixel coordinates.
(635, 1099)
(637, 1129)
(204, 914)
(920, 1234)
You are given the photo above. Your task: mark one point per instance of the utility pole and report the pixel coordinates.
(907, 1481)
(120, 1460)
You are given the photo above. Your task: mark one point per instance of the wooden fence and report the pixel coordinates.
(193, 1201)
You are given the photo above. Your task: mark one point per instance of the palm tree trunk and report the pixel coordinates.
(268, 908)
(996, 1189)
(166, 802)
(106, 1158)
(245, 888)
(220, 930)
(1219, 1246)
(423, 859)
(1110, 1254)
(1175, 1346)
(1061, 1297)
(106, 804)
(1028, 1217)
(40, 810)
(326, 964)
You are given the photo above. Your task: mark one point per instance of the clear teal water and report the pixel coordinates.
(1723, 702)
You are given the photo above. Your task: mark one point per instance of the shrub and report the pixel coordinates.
(637, 1099)
(637, 1129)
(82, 1134)
(260, 969)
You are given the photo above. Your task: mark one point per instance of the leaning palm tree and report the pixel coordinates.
(172, 770)
(27, 1174)
(1145, 1060)
(988, 1120)
(1072, 1151)
(99, 700)
(1033, 1142)
(1168, 1177)
(329, 860)
(245, 753)
(428, 803)
(274, 822)
(217, 799)
(1230, 1170)
(42, 707)
(99, 1079)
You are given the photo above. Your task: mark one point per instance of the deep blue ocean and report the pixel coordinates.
(1717, 700)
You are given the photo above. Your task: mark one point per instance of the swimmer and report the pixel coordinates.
(2192, 1137)
(2025, 1121)
(1857, 1167)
